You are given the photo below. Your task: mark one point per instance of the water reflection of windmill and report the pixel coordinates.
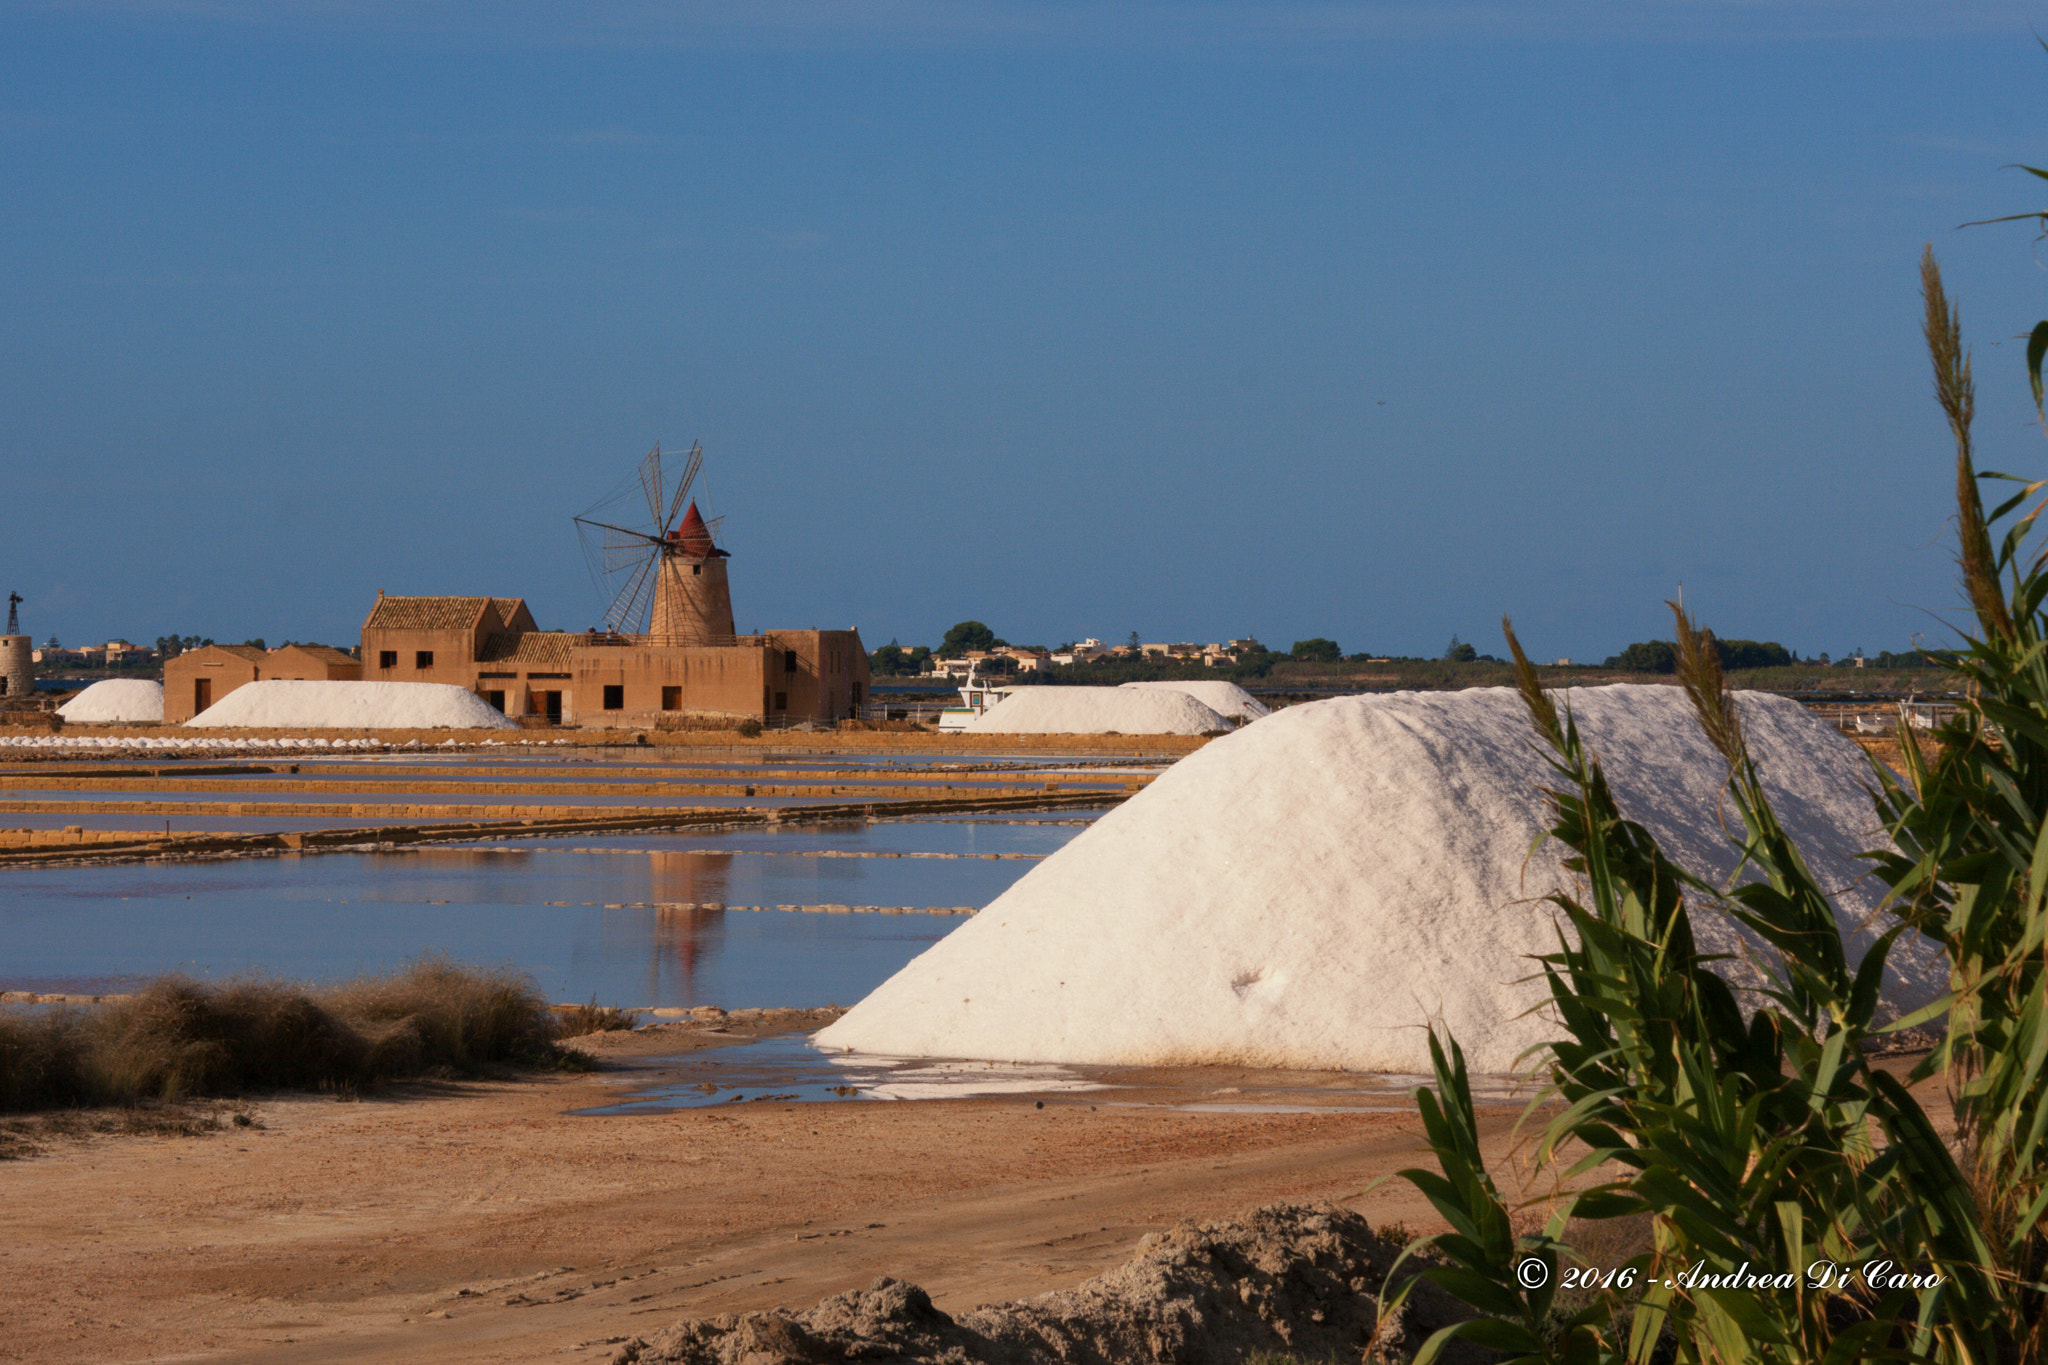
(667, 584)
(689, 894)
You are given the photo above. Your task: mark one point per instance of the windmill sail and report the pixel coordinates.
(665, 584)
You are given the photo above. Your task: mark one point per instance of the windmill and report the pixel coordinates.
(666, 583)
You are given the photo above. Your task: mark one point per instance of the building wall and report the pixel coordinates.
(706, 680)
(820, 675)
(224, 672)
(454, 654)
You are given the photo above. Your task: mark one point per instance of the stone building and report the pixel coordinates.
(689, 663)
(200, 677)
(17, 656)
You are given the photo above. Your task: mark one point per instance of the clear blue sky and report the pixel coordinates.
(1372, 321)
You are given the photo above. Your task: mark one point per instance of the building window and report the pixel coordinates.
(387, 658)
(423, 658)
(782, 701)
(496, 697)
(671, 698)
(789, 661)
(614, 696)
(696, 569)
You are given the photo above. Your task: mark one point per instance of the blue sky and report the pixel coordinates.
(1372, 321)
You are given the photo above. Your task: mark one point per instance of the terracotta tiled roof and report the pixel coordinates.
(249, 652)
(324, 653)
(425, 613)
(509, 609)
(529, 647)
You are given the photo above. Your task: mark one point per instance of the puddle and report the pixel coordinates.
(787, 1068)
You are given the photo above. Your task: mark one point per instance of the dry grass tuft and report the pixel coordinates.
(179, 1039)
(573, 1021)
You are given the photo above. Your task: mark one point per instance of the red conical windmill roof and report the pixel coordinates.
(693, 535)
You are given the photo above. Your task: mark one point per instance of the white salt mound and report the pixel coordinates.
(117, 701)
(1096, 711)
(1224, 698)
(1313, 890)
(285, 705)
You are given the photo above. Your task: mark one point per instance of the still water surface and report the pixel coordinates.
(620, 929)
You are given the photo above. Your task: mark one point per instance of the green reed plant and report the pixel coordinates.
(1756, 1135)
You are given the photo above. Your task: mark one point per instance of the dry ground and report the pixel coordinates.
(485, 1222)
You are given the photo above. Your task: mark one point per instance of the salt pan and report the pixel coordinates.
(1315, 889)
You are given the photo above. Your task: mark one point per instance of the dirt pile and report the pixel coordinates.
(1287, 1278)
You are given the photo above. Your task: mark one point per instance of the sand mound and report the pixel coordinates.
(1314, 889)
(117, 701)
(1096, 711)
(1226, 699)
(1287, 1281)
(282, 705)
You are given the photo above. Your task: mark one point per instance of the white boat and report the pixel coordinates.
(975, 697)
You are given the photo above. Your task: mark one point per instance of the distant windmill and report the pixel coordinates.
(667, 582)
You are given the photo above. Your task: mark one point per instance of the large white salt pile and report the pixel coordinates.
(1225, 698)
(117, 701)
(285, 705)
(1315, 889)
(1096, 711)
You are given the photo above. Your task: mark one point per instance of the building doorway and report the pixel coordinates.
(202, 694)
(551, 707)
(496, 698)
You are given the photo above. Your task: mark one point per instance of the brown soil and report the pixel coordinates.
(486, 1222)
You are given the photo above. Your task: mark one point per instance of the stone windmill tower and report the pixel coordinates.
(667, 583)
(17, 657)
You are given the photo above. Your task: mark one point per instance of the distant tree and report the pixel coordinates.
(1134, 642)
(894, 661)
(1646, 656)
(256, 643)
(52, 643)
(1752, 654)
(1458, 652)
(169, 646)
(965, 636)
(1317, 651)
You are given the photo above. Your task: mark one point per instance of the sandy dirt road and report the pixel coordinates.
(488, 1222)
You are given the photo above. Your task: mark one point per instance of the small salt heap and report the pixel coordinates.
(1052, 710)
(117, 701)
(285, 705)
(1225, 698)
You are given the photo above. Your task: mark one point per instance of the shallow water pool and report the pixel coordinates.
(625, 920)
